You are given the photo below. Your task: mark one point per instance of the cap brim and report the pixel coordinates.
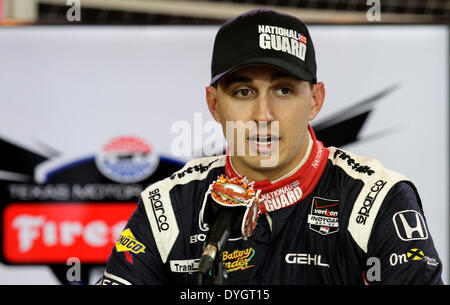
(279, 63)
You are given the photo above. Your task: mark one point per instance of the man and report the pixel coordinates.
(326, 216)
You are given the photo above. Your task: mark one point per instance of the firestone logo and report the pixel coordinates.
(52, 232)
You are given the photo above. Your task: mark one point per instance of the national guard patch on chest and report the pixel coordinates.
(323, 217)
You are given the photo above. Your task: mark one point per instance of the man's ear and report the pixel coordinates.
(211, 100)
(318, 97)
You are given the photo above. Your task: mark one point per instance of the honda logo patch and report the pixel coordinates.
(323, 217)
(410, 225)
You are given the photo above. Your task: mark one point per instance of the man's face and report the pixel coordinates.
(267, 98)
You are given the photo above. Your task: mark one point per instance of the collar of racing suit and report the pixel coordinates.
(293, 188)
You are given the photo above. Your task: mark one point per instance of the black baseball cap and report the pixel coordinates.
(266, 37)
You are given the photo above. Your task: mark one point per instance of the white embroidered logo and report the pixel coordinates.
(410, 225)
(283, 40)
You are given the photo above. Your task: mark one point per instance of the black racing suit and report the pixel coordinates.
(355, 223)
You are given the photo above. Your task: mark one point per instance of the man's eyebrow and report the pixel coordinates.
(245, 79)
(242, 79)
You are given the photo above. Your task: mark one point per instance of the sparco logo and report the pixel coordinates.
(198, 168)
(158, 210)
(364, 169)
(368, 202)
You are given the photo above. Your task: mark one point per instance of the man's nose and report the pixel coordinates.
(263, 111)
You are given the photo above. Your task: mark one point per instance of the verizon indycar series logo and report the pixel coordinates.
(323, 217)
(127, 160)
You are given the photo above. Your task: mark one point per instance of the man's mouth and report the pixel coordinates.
(264, 144)
(263, 140)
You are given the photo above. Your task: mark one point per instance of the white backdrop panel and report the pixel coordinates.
(73, 88)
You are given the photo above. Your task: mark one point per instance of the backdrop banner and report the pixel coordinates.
(90, 116)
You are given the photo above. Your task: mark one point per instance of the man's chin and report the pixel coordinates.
(261, 162)
(266, 160)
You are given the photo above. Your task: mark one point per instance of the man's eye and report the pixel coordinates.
(242, 92)
(284, 91)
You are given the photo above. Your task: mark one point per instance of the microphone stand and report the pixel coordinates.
(215, 275)
(211, 269)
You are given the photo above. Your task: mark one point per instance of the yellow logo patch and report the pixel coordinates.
(415, 254)
(238, 259)
(127, 242)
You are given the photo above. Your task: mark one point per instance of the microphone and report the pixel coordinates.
(231, 206)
